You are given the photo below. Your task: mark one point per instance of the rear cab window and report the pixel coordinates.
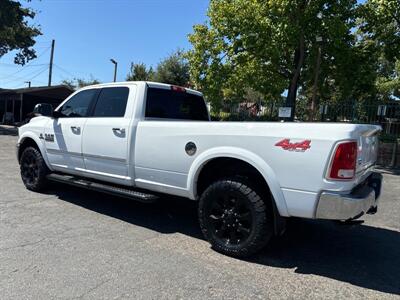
(175, 103)
(111, 102)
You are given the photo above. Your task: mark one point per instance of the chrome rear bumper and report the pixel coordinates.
(361, 200)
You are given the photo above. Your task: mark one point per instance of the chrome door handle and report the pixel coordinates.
(122, 130)
(76, 130)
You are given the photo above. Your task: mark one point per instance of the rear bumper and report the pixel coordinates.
(362, 199)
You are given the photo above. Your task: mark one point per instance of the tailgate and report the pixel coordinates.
(367, 147)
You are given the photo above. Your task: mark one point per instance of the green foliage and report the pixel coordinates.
(78, 83)
(271, 46)
(238, 48)
(389, 138)
(15, 31)
(140, 72)
(174, 69)
(224, 116)
(388, 81)
(380, 26)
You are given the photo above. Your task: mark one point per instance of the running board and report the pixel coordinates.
(103, 187)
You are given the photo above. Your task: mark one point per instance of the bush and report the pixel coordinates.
(240, 117)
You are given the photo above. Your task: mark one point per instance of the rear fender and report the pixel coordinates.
(251, 158)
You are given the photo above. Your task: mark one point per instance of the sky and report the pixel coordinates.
(88, 33)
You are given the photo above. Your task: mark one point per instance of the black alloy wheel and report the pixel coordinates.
(234, 218)
(33, 169)
(230, 219)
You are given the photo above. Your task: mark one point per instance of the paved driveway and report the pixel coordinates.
(69, 243)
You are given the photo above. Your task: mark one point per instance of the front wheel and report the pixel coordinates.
(234, 218)
(33, 169)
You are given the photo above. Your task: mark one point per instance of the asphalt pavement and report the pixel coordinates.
(69, 243)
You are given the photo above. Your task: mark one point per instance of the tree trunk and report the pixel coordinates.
(294, 82)
(313, 102)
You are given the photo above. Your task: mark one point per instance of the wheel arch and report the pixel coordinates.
(29, 139)
(242, 155)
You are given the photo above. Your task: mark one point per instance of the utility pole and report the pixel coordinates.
(115, 69)
(29, 83)
(51, 61)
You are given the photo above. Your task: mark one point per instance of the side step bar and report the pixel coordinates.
(103, 187)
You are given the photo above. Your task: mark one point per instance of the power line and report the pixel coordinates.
(28, 64)
(23, 78)
(64, 70)
(38, 74)
(26, 77)
(18, 85)
(76, 75)
(31, 78)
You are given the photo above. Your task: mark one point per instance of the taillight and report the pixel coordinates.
(343, 165)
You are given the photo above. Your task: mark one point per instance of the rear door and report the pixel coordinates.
(161, 160)
(106, 135)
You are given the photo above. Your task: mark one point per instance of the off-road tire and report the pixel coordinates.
(33, 169)
(259, 225)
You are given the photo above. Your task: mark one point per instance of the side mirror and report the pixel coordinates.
(43, 109)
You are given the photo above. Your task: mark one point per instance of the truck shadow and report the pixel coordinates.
(361, 255)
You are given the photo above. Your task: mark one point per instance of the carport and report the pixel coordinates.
(15, 104)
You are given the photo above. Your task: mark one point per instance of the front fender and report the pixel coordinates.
(244, 155)
(39, 143)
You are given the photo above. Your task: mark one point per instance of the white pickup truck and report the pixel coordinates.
(143, 139)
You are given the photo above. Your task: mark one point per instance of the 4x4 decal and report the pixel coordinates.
(300, 146)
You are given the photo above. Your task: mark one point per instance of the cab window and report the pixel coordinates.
(175, 105)
(111, 102)
(78, 105)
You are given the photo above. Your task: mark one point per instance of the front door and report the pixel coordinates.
(106, 135)
(63, 135)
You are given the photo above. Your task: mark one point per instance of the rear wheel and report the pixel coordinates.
(234, 218)
(33, 169)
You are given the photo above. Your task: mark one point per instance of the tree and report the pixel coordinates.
(267, 46)
(174, 69)
(388, 81)
(15, 31)
(380, 22)
(139, 72)
(380, 26)
(78, 83)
